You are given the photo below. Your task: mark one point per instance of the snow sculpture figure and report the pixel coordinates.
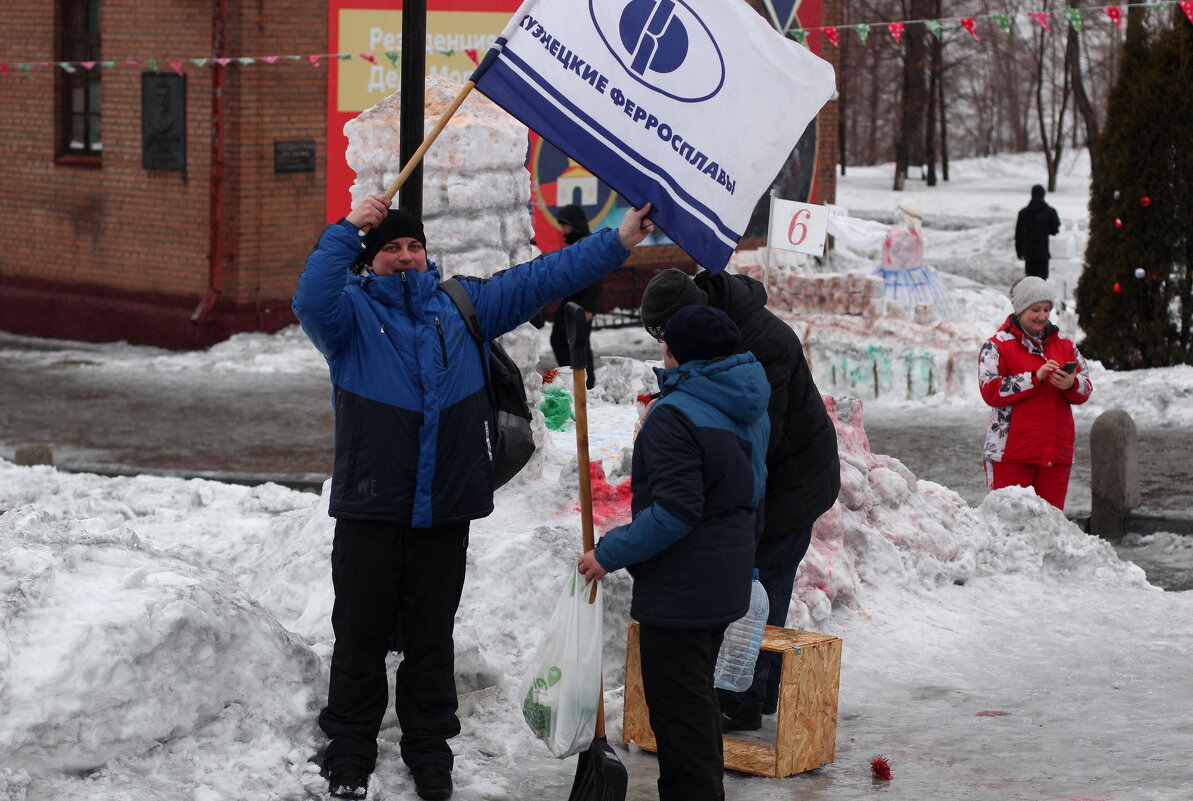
(906, 279)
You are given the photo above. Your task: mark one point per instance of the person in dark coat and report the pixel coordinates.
(803, 467)
(413, 433)
(699, 473)
(1037, 221)
(574, 226)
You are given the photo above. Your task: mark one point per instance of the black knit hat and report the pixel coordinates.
(573, 215)
(701, 332)
(667, 293)
(397, 223)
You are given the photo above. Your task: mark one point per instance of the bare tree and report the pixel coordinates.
(1052, 102)
(1080, 97)
(909, 146)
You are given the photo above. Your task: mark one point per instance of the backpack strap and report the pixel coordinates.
(458, 295)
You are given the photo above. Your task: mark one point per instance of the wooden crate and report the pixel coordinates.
(806, 732)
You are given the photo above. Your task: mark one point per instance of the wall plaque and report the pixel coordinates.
(294, 156)
(163, 121)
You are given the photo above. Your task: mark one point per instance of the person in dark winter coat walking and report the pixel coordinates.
(699, 473)
(574, 226)
(803, 467)
(1037, 221)
(413, 434)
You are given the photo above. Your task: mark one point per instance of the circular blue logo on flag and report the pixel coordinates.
(663, 45)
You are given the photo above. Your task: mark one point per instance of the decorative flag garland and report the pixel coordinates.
(1003, 20)
(1040, 17)
(1074, 16)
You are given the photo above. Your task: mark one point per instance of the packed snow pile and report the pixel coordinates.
(138, 611)
(111, 647)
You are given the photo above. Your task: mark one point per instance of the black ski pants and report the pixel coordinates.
(388, 574)
(677, 677)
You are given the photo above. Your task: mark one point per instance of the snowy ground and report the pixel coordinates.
(167, 639)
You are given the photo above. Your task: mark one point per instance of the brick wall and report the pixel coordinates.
(122, 252)
(117, 251)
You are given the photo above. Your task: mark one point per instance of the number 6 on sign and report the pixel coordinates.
(797, 226)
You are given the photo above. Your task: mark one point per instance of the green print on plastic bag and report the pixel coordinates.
(537, 715)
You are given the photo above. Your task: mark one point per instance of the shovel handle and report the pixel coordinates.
(576, 325)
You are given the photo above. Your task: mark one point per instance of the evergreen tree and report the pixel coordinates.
(1141, 209)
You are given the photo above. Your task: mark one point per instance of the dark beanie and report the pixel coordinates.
(701, 332)
(573, 215)
(397, 223)
(667, 293)
(1037, 191)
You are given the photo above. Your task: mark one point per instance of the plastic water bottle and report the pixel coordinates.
(743, 639)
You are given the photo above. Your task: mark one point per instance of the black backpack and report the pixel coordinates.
(513, 443)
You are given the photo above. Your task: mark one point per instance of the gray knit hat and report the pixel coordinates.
(667, 293)
(1028, 291)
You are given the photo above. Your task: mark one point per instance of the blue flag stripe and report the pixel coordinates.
(507, 81)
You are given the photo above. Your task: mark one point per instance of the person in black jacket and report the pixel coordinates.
(574, 226)
(1037, 221)
(699, 473)
(803, 467)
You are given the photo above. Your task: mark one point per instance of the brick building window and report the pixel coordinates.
(79, 101)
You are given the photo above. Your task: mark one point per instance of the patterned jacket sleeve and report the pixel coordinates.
(1084, 387)
(999, 389)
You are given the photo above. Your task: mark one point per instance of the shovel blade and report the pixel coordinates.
(600, 776)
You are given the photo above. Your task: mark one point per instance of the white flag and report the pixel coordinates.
(692, 105)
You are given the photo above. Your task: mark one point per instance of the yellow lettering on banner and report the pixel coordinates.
(356, 84)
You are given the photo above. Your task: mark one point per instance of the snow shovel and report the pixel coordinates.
(600, 776)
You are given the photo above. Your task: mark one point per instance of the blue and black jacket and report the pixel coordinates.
(412, 414)
(699, 475)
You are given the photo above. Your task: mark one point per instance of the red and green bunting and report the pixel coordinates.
(1076, 18)
(179, 65)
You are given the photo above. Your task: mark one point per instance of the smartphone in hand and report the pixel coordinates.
(1068, 367)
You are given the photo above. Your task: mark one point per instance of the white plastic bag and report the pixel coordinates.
(560, 692)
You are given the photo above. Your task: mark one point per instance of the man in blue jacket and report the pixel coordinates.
(412, 465)
(803, 474)
(699, 473)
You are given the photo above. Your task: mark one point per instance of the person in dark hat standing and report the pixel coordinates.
(803, 467)
(1037, 221)
(699, 473)
(412, 443)
(574, 226)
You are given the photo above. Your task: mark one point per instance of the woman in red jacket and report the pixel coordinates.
(1031, 373)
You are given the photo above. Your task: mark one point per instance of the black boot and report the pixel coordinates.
(743, 717)
(432, 782)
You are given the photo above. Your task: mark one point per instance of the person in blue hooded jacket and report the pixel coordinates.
(413, 428)
(699, 473)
